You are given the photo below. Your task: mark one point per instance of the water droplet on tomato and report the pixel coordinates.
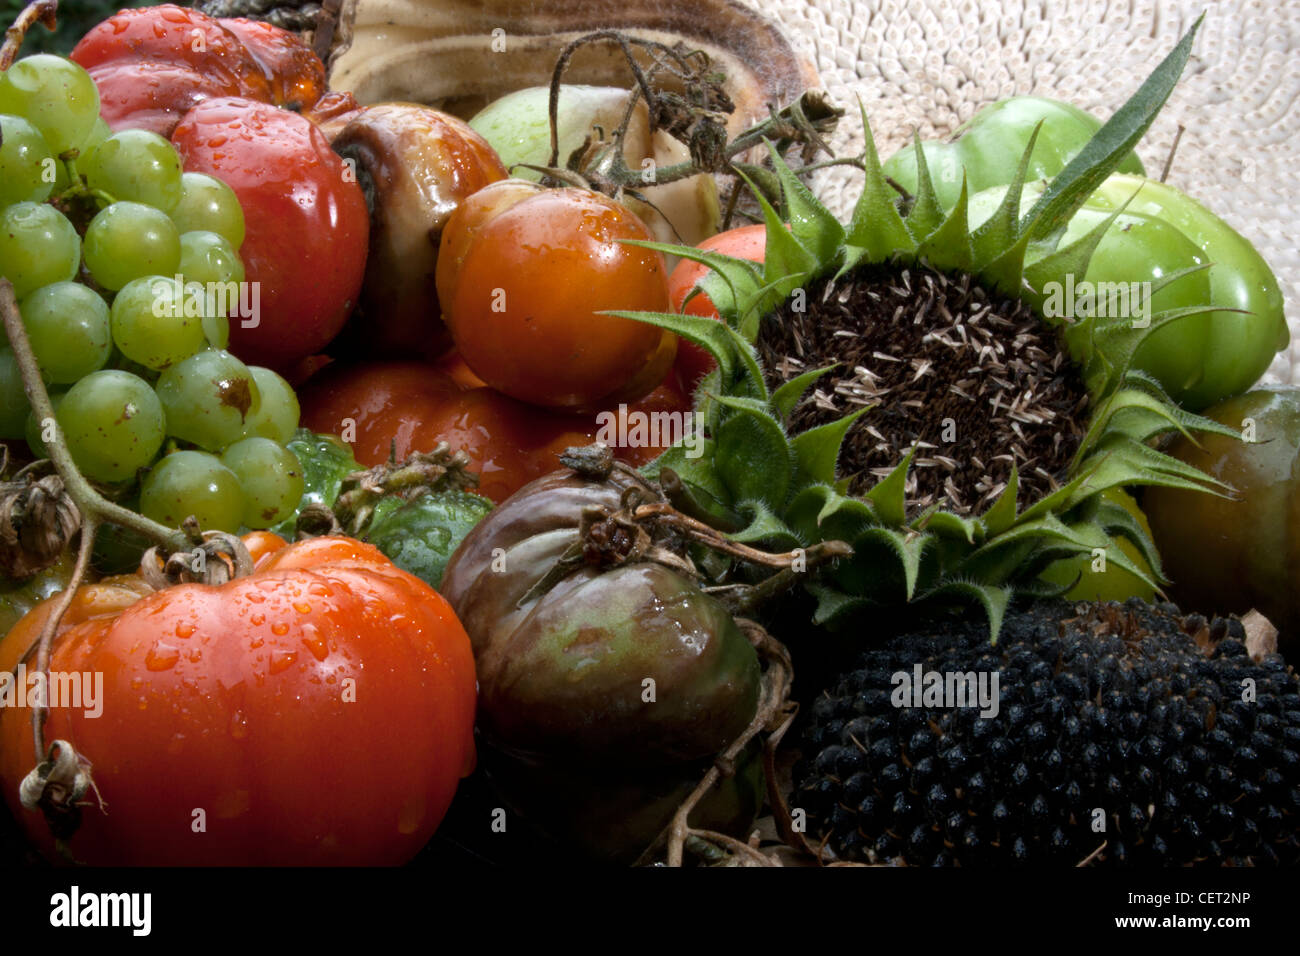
(184, 630)
(281, 659)
(316, 644)
(302, 607)
(279, 629)
(255, 642)
(161, 657)
(238, 725)
(257, 620)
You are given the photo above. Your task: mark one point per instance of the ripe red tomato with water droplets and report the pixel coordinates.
(154, 64)
(307, 225)
(319, 711)
(746, 242)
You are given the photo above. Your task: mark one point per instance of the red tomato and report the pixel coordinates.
(410, 406)
(523, 272)
(278, 704)
(747, 242)
(306, 220)
(153, 64)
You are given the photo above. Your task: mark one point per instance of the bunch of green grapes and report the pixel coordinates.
(129, 316)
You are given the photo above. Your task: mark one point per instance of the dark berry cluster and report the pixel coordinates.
(1157, 725)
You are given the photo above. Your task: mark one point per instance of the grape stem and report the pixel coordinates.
(95, 509)
(93, 506)
(40, 11)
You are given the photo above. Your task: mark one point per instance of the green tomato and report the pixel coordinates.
(989, 145)
(1134, 253)
(1240, 345)
(1231, 553)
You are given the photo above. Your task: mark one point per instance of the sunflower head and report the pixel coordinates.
(773, 468)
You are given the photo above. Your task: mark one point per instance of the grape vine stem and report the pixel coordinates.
(41, 11)
(95, 509)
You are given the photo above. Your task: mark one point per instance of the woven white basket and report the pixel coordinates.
(932, 63)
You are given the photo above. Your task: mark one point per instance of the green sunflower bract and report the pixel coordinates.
(783, 489)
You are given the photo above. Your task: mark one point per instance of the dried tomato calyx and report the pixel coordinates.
(37, 520)
(217, 557)
(56, 787)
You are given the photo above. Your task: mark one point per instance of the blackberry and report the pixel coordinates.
(1124, 709)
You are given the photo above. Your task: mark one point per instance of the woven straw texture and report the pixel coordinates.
(933, 63)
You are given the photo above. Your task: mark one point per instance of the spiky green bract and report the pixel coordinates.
(762, 483)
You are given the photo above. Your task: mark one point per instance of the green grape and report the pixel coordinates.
(113, 424)
(38, 246)
(216, 329)
(28, 169)
(98, 133)
(193, 483)
(157, 322)
(13, 400)
(138, 166)
(208, 398)
(209, 204)
(68, 328)
(277, 413)
(56, 95)
(208, 257)
(34, 431)
(271, 479)
(128, 240)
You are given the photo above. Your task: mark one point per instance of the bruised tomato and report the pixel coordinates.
(523, 275)
(318, 711)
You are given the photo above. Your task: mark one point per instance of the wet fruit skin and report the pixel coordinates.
(234, 700)
(153, 64)
(307, 225)
(563, 674)
(403, 407)
(1229, 555)
(989, 145)
(523, 273)
(416, 166)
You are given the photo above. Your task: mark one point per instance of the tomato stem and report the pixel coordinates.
(696, 117)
